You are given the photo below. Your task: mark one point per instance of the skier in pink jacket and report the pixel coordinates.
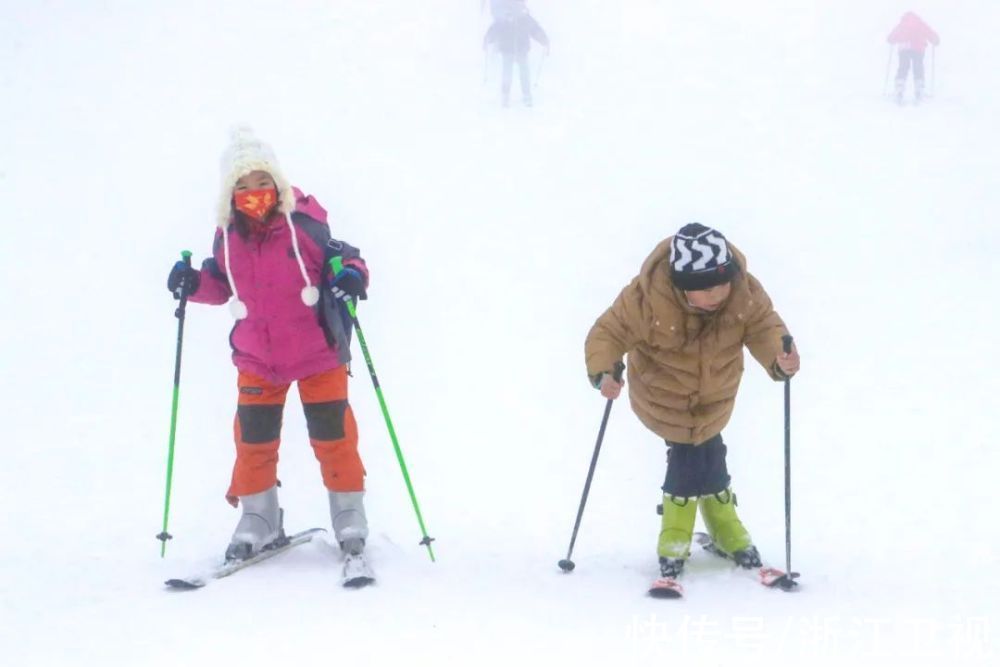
(911, 35)
(271, 262)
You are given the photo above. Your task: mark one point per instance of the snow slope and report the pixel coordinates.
(495, 238)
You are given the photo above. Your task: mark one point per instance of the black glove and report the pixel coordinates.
(348, 283)
(183, 280)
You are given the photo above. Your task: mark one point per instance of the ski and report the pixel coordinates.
(225, 569)
(666, 588)
(771, 577)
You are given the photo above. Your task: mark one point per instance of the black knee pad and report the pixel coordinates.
(325, 421)
(259, 423)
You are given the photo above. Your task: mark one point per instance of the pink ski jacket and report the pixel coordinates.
(281, 338)
(912, 33)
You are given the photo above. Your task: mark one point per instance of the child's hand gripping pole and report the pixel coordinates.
(336, 266)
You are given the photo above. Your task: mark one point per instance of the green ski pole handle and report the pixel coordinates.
(179, 314)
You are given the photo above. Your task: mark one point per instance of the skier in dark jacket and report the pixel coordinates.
(512, 35)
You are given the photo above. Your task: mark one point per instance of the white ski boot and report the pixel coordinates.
(350, 527)
(260, 526)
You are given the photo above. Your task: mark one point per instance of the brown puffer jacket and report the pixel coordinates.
(684, 367)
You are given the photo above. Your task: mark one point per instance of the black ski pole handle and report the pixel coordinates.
(786, 343)
(179, 292)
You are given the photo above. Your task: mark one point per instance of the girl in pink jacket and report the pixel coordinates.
(271, 263)
(911, 35)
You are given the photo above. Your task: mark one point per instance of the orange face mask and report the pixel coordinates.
(256, 204)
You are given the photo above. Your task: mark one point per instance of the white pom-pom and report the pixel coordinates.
(238, 309)
(310, 295)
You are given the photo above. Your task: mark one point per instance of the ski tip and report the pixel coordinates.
(666, 589)
(308, 533)
(774, 578)
(184, 584)
(359, 582)
(664, 594)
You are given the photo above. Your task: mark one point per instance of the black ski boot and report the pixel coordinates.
(671, 568)
(748, 558)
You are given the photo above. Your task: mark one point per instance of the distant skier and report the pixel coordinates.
(683, 322)
(512, 33)
(911, 35)
(270, 260)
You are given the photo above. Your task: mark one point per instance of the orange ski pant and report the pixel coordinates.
(333, 433)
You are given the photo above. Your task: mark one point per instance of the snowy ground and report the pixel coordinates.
(495, 238)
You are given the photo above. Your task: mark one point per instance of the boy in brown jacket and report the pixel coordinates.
(683, 321)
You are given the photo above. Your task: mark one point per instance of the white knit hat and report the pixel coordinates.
(246, 153)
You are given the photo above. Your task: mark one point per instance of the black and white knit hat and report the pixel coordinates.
(700, 258)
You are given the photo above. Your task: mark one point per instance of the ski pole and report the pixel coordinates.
(567, 564)
(789, 580)
(933, 60)
(888, 68)
(538, 71)
(181, 295)
(337, 264)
